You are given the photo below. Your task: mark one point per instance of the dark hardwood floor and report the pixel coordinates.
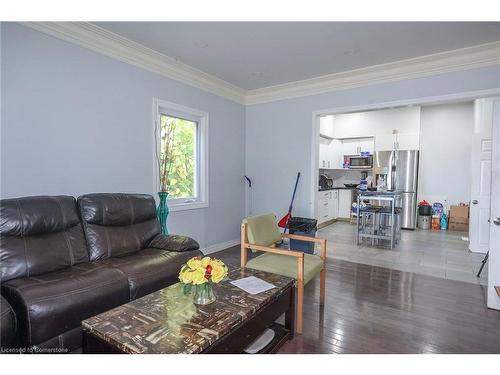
(372, 309)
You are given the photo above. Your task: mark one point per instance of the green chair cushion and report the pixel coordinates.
(285, 265)
(263, 230)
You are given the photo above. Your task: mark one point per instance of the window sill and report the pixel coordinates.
(172, 207)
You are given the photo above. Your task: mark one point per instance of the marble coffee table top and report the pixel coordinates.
(167, 321)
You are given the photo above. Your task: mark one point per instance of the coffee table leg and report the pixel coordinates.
(290, 313)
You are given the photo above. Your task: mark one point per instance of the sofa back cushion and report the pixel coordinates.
(118, 224)
(38, 235)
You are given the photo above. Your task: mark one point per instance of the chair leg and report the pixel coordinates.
(300, 306)
(322, 282)
(243, 255)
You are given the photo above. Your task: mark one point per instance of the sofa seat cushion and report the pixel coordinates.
(48, 305)
(7, 325)
(150, 269)
(287, 265)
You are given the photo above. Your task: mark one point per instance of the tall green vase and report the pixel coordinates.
(162, 211)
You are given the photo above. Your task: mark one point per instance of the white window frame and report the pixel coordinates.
(201, 179)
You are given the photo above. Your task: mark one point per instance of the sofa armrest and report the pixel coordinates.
(174, 242)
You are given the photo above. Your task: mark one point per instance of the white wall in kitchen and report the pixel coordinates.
(445, 151)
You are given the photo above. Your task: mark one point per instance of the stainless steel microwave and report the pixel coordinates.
(358, 161)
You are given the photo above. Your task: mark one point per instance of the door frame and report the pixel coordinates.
(439, 99)
(493, 300)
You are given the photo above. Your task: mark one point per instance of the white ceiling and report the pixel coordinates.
(253, 55)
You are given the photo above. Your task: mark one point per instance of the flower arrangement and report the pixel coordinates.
(200, 270)
(201, 273)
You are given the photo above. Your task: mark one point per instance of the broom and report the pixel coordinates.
(283, 223)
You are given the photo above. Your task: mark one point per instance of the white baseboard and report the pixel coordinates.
(220, 246)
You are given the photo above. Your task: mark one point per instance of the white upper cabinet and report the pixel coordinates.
(324, 151)
(353, 125)
(366, 145)
(381, 125)
(408, 141)
(336, 154)
(400, 141)
(350, 147)
(385, 142)
(357, 146)
(330, 153)
(326, 126)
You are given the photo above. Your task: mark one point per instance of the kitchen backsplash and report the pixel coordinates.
(343, 177)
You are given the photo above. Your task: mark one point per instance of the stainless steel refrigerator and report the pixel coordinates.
(400, 169)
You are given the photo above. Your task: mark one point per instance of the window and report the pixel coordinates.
(180, 136)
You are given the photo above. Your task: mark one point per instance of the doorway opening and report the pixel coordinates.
(443, 148)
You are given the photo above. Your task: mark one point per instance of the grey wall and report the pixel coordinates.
(279, 134)
(445, 151)
(74, 122)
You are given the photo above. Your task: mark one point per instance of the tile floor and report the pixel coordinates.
(427, 252)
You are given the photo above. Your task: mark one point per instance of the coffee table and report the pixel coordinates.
(168, 322)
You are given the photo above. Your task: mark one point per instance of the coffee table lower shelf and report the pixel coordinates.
(281, 335)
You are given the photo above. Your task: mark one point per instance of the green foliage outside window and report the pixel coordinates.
(178, 148)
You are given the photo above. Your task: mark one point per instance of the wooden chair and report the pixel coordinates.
(261, 233)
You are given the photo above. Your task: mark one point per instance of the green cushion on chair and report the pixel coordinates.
(285, 265)
(263, 230)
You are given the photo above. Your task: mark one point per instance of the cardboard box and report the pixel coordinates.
(458, 227)
(459, 212)
(459, 220)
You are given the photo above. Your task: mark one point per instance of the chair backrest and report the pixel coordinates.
(118, 224)
(39, 234)
(263, 230)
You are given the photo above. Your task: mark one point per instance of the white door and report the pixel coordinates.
(494, 259)
(479, 225)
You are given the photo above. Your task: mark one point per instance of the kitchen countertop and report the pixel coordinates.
(339, 188)
(377, 194)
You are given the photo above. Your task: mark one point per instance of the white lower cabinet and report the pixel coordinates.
(328, 205)
(323, 206)
(333, 205)
(345, 202)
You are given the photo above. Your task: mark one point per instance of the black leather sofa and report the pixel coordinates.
(62, 261)
(8, 325)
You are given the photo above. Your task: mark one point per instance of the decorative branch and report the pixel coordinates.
(166, 151)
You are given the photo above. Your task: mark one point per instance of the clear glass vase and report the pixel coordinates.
(204, 294)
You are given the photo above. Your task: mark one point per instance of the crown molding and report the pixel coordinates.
(100, 40)
(439, 63)
(95, 38)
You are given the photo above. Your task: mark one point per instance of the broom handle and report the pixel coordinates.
(291, 203)
(293, 195)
